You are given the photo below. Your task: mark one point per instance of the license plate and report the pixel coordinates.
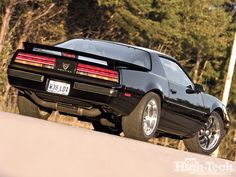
(58, 87)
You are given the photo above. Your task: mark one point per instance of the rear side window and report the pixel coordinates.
(175, 73)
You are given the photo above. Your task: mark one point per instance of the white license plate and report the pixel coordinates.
(58, 87)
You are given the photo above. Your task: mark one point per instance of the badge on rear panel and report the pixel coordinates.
(66, 66)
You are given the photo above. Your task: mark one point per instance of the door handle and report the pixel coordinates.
(173, 91)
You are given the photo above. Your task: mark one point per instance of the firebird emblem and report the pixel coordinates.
(65, 66)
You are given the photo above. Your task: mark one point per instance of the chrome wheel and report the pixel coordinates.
(150, 117)
(209, 135)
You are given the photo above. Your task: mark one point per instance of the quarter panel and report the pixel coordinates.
(140, 82)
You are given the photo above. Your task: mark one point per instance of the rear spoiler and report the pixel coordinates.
(58, 51)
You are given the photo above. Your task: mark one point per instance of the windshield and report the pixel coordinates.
(109, 50)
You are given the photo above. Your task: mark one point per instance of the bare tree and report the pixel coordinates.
(5, 22)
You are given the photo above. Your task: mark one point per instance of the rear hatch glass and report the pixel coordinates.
(109, 50)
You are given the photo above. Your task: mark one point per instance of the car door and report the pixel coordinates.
(184, 109)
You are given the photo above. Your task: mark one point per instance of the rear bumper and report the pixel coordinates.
(111, 92)
(84, 92)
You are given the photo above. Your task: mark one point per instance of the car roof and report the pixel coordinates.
(150, 51)
(136, 47)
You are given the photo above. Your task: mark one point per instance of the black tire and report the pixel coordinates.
(193, 144)
(29, 108)
(111, 130)
(132, 125)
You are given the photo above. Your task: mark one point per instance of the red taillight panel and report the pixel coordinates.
(82, 69)
(97, 72)
(35, 60)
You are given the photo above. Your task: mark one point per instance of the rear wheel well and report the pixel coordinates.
(137, 125)
(158, 92)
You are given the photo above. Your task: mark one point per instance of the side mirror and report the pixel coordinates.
(190, 89)
(198, 88)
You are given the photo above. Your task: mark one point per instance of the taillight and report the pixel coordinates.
(97, 72)
(35, 60)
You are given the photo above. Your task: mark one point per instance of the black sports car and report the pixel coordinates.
(118, 87)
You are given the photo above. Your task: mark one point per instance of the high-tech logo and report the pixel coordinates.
(65, 66)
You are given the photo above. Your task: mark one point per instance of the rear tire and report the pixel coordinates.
(208, 138)
(29, 108)
(111, 130)
(142, 123)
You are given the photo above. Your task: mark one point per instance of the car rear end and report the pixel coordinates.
(71, 81)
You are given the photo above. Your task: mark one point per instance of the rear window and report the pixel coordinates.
(109, 50)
